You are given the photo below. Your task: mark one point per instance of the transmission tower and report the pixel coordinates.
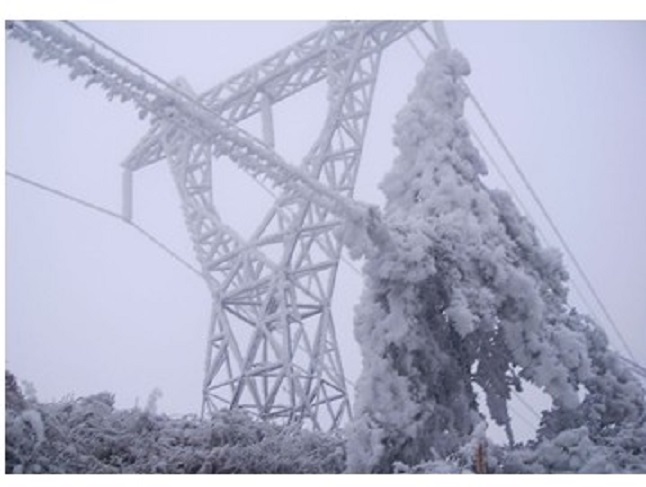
(271, 346)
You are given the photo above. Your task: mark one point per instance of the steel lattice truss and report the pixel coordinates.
(271, 347)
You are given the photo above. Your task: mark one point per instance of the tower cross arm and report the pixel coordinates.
(280, 76)
(296, 67)
(153, 96)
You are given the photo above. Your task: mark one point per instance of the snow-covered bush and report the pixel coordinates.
(88, 435)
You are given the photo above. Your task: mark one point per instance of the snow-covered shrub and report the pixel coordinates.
(88, 435)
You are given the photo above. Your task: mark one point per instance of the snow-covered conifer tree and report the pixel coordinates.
(465, 295)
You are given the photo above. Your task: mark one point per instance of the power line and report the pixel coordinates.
(63, 195)
(428, 36)
(638, 369)
(522, 417)
(502, 176)
(106, 212)
(164, 247)
(526, 404)
(414, 47)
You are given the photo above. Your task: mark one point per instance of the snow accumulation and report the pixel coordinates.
(458, 293)
(87, 435)
(466, 295)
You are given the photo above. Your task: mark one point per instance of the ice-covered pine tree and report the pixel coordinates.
(465, 295)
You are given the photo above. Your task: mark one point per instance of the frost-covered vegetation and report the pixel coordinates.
(88, 435)
(466, 295)
(462, 295)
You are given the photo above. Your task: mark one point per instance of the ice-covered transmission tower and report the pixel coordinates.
(271, 346)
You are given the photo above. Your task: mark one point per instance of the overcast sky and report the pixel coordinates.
(92, 305)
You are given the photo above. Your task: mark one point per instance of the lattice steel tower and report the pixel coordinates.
(271, 345)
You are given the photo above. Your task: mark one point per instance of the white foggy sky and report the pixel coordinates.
(91, 305)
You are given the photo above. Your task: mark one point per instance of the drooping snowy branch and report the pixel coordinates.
(466, 295)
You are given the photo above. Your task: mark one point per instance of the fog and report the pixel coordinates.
(91, 305)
